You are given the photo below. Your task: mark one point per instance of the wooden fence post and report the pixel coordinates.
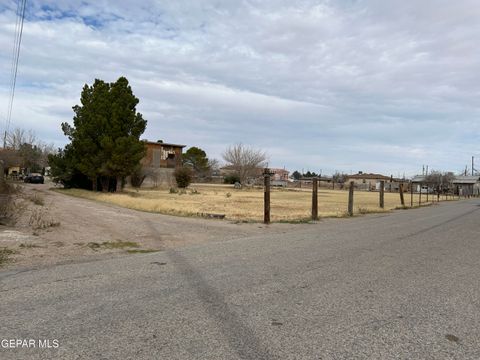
(382, 194)
(411, 194)
(266, 199)
(315, 199)
(400, 189)
(420, 195)
(350, 198)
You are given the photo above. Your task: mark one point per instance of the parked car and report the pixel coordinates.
(34, 178)
(427, 190)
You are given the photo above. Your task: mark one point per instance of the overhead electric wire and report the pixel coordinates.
(21, 6)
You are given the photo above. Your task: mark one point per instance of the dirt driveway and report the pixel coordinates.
(81, 230)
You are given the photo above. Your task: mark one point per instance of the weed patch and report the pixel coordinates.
(5, 254)
(364, 211)
(112, 245)
(296, 221)
(141, 251)
(10, 209)
(39, 220)
(37, 199)
(28, 246)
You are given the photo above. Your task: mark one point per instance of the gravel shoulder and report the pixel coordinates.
(74, 229)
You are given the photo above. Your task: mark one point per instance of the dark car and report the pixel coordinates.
(34, 178)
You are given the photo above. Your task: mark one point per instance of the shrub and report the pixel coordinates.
(231, 179)
(183, 177)
(137, 178)
(10, 210)
(37, 199)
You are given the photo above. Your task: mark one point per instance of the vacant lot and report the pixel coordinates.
(51, 228)
(245, 204)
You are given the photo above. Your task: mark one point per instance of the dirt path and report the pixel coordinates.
(84, 230)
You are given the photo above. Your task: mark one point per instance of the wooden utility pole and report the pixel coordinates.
(400, 190)
(266, 198)
(315, 199)
(350, 198)
(382, 194)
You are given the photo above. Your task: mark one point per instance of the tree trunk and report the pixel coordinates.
(105, 181)
(94, 184)
(119, 184)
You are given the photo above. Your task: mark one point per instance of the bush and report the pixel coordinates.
(231, 179)
(183, 177)
(9, 209)
(137, 178)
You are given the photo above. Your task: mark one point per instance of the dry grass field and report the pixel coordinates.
(246, 204)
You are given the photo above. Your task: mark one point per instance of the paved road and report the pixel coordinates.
(397, 286)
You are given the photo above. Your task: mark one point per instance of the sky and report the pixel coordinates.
(347, 85)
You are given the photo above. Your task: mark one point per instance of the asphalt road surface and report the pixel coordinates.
(398, 286)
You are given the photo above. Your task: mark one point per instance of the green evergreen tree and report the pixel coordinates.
(196, 159)
(105, 136)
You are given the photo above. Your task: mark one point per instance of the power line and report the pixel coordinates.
(21, 6)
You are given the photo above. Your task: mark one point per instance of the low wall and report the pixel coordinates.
(158, 177)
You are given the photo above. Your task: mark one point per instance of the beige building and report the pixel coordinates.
(368, 181)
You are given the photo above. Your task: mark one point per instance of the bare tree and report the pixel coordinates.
(213, 166)
(24, 149)
(440, 181)
(244, 160)
(17, 137)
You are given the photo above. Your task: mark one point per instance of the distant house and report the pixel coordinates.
(12, 162)
(462, 185)
(163, 155)
(467, 185)
(160, 162)
(368, 181)
(307, 182)
(279, 174)
(279, 177)
(418, 182)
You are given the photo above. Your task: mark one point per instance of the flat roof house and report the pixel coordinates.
(160, 162)
(162, 155)
(367, 181)
(467, 185)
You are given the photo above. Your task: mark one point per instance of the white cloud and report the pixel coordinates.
(335, 85)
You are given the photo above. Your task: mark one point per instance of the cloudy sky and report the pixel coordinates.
(373, 85)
